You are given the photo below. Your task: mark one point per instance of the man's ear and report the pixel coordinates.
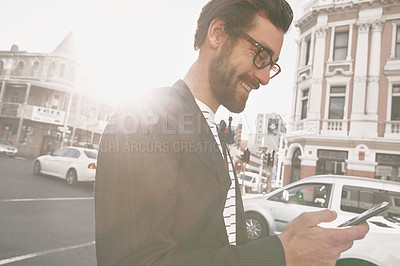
(216, 35)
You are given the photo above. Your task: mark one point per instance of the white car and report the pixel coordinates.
(7, 149)
(348, 196)
(250, 182)
(71, 163)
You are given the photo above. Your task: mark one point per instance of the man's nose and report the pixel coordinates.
(263, 75)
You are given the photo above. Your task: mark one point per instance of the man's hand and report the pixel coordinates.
(305, 243)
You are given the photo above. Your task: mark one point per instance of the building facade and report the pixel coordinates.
(44, 103)
(345, 116)
(269, 128)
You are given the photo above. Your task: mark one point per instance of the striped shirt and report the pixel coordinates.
(230, 204)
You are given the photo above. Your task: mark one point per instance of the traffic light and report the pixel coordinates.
(265, 159)
(271, 158)
(58, 137)
(226, 134)
(245, 157)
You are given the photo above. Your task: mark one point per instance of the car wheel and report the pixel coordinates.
(71, 177)
(256, 226)
(36, 168)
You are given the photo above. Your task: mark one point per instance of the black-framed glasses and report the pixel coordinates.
(263, 57)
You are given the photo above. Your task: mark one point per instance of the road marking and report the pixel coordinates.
(45, 199)
(41, 253)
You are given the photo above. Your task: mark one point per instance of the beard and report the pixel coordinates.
(224, 83)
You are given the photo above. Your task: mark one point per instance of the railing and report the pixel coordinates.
(392, 129)
(10, 109)
(299, 125)
(334, 127)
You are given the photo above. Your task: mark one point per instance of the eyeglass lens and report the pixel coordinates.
(263, 59)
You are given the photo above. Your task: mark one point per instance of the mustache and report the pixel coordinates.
(254, 84)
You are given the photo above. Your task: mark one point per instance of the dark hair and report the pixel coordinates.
(239, 16)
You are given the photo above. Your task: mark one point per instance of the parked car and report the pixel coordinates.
(348, 196)
(7, 149)
(250, 182)
(71, 163)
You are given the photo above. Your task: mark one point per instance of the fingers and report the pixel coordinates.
(310, 219)
(343, 238)
(355, 232)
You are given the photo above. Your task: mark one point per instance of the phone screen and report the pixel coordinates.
(367, 214)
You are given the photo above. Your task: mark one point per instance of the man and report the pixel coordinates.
(165, 191)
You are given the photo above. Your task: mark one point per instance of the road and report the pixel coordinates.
(44, 221)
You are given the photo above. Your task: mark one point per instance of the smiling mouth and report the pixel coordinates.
(245, 86)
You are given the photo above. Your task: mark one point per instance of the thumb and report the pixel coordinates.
(310, 219)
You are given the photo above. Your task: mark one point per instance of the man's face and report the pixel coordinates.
(232, 74)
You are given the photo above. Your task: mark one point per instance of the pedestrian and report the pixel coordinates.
(166, 192)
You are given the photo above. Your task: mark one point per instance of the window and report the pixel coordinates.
(19, 69)
(35, 69)
(331, 162)
(92, 154)
(72, 74)
(72, 153)
(1, 67)
(395, 103)
(340, 46)
(304, 104)
(60, 152)
(62, 70)
(359, 199)
(52, 69)
(336, 102)
(397, 49)
(56, 102)
(315, 195)
(388, 167)
(308, 47)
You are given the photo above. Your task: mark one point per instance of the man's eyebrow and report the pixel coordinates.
(272, 53)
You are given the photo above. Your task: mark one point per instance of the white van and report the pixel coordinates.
(250, 182)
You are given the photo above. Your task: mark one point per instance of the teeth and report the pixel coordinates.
(244, 85)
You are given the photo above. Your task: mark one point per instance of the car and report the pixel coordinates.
(347, 195)
(74, 164)
(7, 149)
(250, 181)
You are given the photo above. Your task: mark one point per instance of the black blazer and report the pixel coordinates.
(161, 187)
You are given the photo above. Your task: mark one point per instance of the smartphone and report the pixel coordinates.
(367, 214)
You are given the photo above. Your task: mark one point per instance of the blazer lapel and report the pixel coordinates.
(201, 127)
(213, 158)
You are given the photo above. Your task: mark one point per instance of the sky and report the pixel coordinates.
(128, 46)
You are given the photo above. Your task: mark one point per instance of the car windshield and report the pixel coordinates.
(92, 154)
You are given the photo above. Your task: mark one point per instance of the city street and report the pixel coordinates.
(44, 221)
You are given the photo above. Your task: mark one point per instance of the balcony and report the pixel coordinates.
(10, 109)
(334, 127)
(392, 130)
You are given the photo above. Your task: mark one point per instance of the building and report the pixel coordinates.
(345, 116)
(269, 128)
(44, 101)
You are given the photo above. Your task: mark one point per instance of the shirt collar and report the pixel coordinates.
(204, 108)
